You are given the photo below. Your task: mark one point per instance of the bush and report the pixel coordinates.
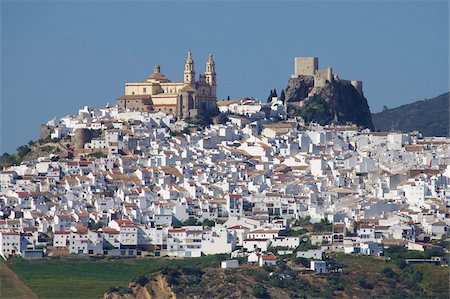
(48, 148)
(208, 223)
(389, 273)
(260, 292)
(98, 155)
(323, 226)
(189, 222)
(124, 291)
(305, 221)
(173, 277)
(301, 260)
(23, 150)
(141, 280)
(364, 284)
(306, 246)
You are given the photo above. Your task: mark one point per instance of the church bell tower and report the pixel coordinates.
(189, 73)
(211, 74)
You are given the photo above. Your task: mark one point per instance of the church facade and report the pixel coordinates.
(182, 99)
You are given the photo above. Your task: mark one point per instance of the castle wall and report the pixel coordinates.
(45, 131)
(81, 137)
(356, 84)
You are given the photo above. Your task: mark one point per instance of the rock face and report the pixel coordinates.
(430, 117)
(336, 102)
(298, 88)
(156, 288)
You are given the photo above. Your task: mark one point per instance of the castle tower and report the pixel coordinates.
(189, 73)
(210, 74)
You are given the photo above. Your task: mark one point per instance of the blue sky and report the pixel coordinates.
(57, 57)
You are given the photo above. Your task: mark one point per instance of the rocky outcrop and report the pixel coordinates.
(336, 102)
(157, 287)
(298, 88)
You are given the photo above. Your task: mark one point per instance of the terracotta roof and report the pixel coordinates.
(269, 257)
(238, 227)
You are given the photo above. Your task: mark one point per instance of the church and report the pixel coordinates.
(182, 99)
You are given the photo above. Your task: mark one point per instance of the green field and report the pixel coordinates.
(83, 278)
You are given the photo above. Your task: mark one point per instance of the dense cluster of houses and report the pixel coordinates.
(238, 187)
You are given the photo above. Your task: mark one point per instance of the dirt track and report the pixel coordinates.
(12, 287)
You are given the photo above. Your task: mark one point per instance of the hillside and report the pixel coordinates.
(336, 102)
(430, 117)
(359, 277)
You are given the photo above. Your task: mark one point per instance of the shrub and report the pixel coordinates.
(323, 226)
(98, 155)
(364, 284)
(304, 261)
(189, 222)
(260, 292)
(173, 277)
(208, 223)
(389, 273)
(141, 280)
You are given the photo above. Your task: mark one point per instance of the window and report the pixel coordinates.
(145, 90)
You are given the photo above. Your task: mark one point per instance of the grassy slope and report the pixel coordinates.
(11, 286)
(76, 278)
(435, 279)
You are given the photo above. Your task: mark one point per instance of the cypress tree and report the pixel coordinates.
(282, 96)
(269, 98)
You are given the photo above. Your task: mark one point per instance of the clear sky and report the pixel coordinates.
(57, 57)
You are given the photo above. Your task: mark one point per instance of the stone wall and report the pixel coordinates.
(306, 66)
(81, 137)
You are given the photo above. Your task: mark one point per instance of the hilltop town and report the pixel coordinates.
(144, 178)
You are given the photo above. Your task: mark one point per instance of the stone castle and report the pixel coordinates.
(182, 99)
(309, 66)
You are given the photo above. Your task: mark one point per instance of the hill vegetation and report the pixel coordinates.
(35, 149)
(359, 277)
(430, 117)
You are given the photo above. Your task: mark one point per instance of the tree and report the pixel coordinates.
(282, 96)
(385, 108)
(189, 222)
(23, 150)
(223, 119)
(269, 98)
(228, 98)
(208, 222)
